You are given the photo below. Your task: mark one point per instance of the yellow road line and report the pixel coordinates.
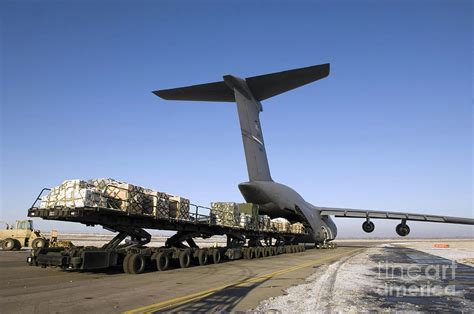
(199, 295)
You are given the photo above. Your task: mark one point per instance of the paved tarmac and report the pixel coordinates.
(232, 285)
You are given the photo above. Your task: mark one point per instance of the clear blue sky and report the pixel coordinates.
(390, 128)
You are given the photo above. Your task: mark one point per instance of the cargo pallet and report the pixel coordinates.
(135, 257)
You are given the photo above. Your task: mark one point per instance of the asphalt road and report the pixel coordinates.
(233, 285)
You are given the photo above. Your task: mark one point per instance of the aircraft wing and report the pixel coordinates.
(377, 214)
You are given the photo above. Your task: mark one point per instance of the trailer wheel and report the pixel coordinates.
(8, 244)
(184, 259)
(202, 257)
(38, 243)
(258, 252)
(251, 252)
(162, 261)
(125, 263)
(216, 256)
(136, 264)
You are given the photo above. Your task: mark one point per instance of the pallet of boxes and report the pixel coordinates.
(234, 215)
(225, 214)
(248, 216)
(112, 194)
(281, 225)
(297, 228)
(264, 223)
(73, 194)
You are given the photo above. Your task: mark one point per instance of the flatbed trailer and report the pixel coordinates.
(180, 249)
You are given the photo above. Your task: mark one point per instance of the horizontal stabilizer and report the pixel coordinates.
(262, 87)
(269, 85)
(218, 91)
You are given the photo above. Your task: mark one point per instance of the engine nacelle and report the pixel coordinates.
(402, 229)
(368, 226)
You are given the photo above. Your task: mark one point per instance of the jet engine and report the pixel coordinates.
(402, 229)
(368, 226)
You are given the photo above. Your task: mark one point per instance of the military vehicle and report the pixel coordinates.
(21, 235)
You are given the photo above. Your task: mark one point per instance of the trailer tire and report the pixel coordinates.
(184, 259)
(216, 256)
(162, 261)
(38, 243)
(125, 263)
(136, 264)
(202, 257)
(8, 244)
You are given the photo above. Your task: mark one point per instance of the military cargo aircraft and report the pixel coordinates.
(275, 199)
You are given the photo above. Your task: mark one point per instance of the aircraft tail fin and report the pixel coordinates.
(248, 93)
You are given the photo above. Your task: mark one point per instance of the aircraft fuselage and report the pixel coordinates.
(278, 200)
